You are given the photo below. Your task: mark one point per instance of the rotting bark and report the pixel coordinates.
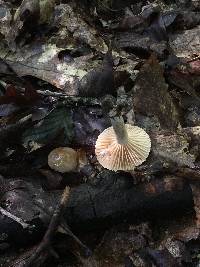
(113, 197)
(108, 199)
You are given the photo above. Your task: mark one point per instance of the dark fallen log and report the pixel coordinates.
(108, 199)
(112, 198)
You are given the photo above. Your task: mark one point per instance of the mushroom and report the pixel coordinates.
(63, 159)
(122, 146)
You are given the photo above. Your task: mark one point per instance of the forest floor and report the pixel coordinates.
(65, 68)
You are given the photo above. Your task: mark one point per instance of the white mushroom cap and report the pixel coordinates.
(63, 159)
(114, 156)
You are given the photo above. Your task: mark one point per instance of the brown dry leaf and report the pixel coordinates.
(183, 229)
(138, 42)
(187, 173)
(187, 231)
(185, 81)
(196, 197)
(28, 16)
(193, 133)
(5, 18)
(120, 242)
(46, 11)
(172, 148)
(151, 96)
(41, 61)
(174, 237)
(71, 19)
(28, 11)
(29, 97)
(187, 43)
(195, 66)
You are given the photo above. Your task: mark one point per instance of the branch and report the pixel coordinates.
(53, 226)
(15, 218)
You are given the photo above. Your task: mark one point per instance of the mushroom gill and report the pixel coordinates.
(122, 146)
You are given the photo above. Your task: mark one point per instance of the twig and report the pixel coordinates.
(64, 228)
(13, 217)
(77, 101)
(53, 225)
(69, 99)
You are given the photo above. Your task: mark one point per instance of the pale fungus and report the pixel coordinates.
(122, 146)
(63, 159)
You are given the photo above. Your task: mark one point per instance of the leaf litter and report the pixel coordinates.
(65, 69)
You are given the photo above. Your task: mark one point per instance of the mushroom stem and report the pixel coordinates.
(120, 130)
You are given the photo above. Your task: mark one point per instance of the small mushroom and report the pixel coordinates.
(63, 159)
(122, 146)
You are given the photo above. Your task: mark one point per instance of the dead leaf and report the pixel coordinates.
(196, 193)
(186, 44)
(151, 96)
(135, 22)
(47, 129)
(181, 77)
(7, 109)
(71, 19)
(88, 125)
(194, 66)
(13, 96)
(172, 148)
(158, 28)
(5, 18)
(46, 11)
(139, 44)
(120, 242)
(163, 258)
(99, 81)
(41, 61)
(27, 15)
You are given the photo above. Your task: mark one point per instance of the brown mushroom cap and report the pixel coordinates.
(114, 156)
(63, 159)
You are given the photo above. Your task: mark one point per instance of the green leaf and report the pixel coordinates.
(59, 119)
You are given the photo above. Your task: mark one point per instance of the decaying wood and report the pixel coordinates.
(112, 197)
(108, 199)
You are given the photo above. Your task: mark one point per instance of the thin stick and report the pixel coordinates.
(15, 218)
(53, 226)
